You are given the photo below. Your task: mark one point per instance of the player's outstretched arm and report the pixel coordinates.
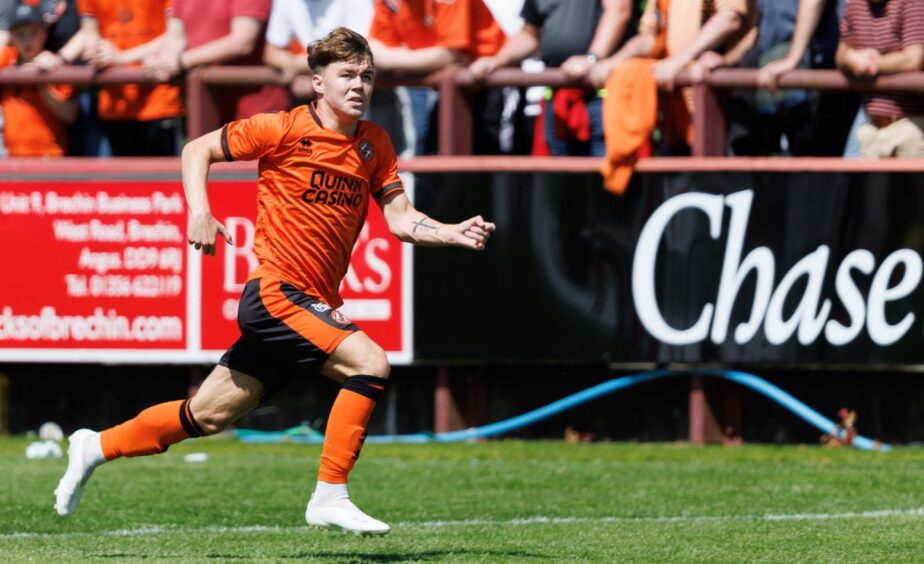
(411, 226)
(202, 228)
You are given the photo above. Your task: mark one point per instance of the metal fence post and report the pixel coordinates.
(201, 110)
(455, 117)
(708, 123)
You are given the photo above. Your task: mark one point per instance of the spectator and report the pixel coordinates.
(423, 36)
(881, 37)
(220, 33)
(62, 23)
(293, 24)
(573, 35)
(803, 32)
(791, 34)
(34, 115)
(65, 46)
(139, 120)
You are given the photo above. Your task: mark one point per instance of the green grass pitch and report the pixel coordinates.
(500, 501)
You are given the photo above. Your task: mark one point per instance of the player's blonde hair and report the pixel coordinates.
(338, 46)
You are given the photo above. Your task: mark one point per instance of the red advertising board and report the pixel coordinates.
(99, 271)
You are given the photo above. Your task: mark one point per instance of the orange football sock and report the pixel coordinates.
(346, 427)
(151, 432)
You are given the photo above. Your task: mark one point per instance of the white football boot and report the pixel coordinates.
(84, 454)
(337, 513)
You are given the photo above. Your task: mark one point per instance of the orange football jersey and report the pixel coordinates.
(312, 194)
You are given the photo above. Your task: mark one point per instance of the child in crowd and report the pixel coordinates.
(34, 116)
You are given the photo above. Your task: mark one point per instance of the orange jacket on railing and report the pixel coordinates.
(630, 115)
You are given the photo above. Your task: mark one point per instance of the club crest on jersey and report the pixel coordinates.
(339, 317)
(365, 150)
(320, 307)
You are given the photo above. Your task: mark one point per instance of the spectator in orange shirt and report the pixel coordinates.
(34, 116)
(423, 36)
(140, 120)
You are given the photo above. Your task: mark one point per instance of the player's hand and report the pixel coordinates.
(472, 233)
(202, 231)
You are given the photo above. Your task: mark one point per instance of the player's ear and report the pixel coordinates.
(317, 81)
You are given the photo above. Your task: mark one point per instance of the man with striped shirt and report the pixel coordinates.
(880, 37)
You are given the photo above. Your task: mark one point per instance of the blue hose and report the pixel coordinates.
(501, 427)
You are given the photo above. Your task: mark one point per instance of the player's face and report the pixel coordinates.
(347, 87)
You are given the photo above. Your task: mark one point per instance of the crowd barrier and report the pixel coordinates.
(204, 85)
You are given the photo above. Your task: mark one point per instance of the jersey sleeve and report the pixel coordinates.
(181, 10)
(86, 7)
(252, 138)
(385, 179)
(845, 27)
(256, 9)
(383, 27)
(531, 14)
(913, 24)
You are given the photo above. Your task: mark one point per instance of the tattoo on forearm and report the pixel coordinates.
(422, 224)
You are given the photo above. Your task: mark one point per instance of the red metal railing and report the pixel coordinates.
(205, 85)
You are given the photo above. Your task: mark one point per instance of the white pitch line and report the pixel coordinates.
(519, 522)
